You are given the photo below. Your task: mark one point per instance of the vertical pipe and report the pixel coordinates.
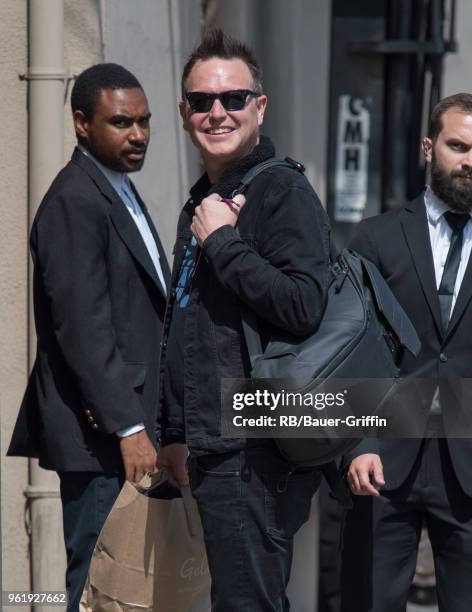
(46, 156)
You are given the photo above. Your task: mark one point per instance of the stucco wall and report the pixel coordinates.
(13, 285)
(82, 48)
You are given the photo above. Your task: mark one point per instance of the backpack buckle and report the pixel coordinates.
(295, 164)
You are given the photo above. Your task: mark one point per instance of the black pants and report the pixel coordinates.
(87, 499)
(382, 535)
(250, 509)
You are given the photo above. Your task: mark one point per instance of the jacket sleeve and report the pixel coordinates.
(70, 242)
(285, 281)
(363, 244)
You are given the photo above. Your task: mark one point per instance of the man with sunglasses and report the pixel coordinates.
(275, 262)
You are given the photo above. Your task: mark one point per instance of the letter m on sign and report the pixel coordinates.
(353, 131)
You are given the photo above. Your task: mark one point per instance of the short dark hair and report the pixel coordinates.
(461, 101)
(93, 80)
(215, 43)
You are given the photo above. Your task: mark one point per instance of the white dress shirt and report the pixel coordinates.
(121, 184)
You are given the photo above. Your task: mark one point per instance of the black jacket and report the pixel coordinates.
(275, 262)
(99, 308)
(398, 244)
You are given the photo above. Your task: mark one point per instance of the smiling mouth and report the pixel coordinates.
(218, 131)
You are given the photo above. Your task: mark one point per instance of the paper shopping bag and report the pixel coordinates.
(150, 555)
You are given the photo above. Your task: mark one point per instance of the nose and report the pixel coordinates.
(137, 134)
(467, 160)
(217, 111)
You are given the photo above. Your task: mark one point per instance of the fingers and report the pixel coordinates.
(174, 458)
(172, 481)
(180, 474)
(361, 471)
(365, 486)
(139, 456)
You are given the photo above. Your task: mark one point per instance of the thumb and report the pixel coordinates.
(378, 473)
(181, 475)
(240, 200)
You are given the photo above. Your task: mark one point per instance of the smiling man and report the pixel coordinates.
(423, 251)
(100, 276)
(275, 262)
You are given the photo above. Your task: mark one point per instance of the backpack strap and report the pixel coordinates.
(288, 162)
(248, 317)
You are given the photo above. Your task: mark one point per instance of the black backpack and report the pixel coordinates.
(362, 335)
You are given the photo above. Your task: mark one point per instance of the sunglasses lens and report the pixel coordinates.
(200, 102)
(234, 100)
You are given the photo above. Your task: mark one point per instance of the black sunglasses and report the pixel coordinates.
(201, 102)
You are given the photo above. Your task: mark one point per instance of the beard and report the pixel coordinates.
(453, 188)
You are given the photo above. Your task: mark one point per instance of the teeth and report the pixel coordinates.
(219, 131)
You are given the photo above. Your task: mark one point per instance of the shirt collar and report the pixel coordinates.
(118, 180)
(435, 207)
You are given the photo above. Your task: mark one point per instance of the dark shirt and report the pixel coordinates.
(174, 376)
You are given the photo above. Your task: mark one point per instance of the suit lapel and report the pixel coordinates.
(415, 229)
(121, 219)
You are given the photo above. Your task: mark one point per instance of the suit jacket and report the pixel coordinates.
(98, 307)
(398, 243)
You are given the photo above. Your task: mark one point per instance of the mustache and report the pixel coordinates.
(463, 174)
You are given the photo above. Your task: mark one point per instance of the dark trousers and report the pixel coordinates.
(382, 534)
(251, 507)
(87, 498)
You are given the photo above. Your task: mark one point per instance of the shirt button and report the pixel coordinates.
(94, 426)
(87, 412)
(443, 357)
(90, 419)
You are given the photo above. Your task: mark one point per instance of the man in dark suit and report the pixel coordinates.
(423, 251)
(100, 277)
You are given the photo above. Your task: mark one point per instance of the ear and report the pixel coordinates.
(80, 125)
(261, 106)
(427, 146)
(183, 109)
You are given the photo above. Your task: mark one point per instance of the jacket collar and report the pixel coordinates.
(232, 176)
(415, 228)
(121, 219)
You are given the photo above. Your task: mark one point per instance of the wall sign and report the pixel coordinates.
(352, 158)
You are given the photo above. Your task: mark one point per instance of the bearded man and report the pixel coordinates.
(423, 251)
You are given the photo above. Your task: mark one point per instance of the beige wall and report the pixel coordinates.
(13, 284)
(82, 48)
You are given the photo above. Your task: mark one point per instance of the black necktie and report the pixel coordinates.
(457, 222)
